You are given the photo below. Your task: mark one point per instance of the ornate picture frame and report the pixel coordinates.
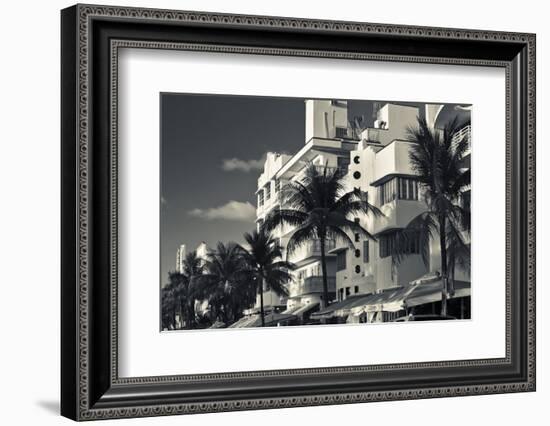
(91, 37)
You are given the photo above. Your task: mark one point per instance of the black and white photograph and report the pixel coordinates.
(298, 212)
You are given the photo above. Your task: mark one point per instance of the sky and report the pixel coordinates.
(212, 153)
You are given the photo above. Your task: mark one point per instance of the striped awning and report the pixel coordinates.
(305, 308)
(256, 321)
(430, 292)
(271, 319)
(419, 292)
(331, 310)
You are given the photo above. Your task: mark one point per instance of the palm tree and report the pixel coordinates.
(169, 303)
(320, 208)
(177, 284)
(226, 282)
(189, 290)
(357, 126)
(264, 260)
(436, 157)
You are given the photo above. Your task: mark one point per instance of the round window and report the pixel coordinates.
(356, 175)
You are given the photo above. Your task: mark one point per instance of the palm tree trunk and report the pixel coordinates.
(325, 301)
(444, 278)
(262, 315)
(183, 314)
(191, 314)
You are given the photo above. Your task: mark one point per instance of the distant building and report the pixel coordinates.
(201, 307)
(180, 258)
(202, 250)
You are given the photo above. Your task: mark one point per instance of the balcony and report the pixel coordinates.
(393, 159)
(372, 135)
(398, 214)
(309, 285)
(311, 249)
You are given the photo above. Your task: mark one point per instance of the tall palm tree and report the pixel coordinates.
(436, 157)
(189, 290)
(226, 282)
(264, 260)
(320, 208)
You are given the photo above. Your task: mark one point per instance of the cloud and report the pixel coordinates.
(232, 210)
(236, 164)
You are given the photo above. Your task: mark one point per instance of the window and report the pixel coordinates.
(268, 191)
(388, 243)
(356, 175)
(260, 198)
(398, 188)
(341, 132)
(357, 253)
(316, 270)
(356, 220)
(356, 289)
(357, 238)
(277, 186)
(408, 189)
(387, 192)
(356, 159)
(348, 291)
(366, 251)
(357, 269)
(341, 260)
(341, 294)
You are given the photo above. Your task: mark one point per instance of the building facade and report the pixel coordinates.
(375, 160)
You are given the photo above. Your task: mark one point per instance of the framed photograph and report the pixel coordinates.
(263, 212)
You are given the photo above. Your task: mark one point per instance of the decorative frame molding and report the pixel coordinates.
(91, 37)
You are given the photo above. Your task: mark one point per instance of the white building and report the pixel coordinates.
(378, 164)
(327, 142)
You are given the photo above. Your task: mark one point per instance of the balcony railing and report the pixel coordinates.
(371, 135)
(465, 132)
(309, 285)
(312, 249)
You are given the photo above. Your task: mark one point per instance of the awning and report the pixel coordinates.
(305, 308)
(430, 292)
(242, 322)
(427, 289)
(271, 319)
(218, 324)
(389, 300)
(330, 311)
(291, 310)
(256, 321)
(419, 293)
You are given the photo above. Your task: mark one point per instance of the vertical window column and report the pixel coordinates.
(260, 198)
